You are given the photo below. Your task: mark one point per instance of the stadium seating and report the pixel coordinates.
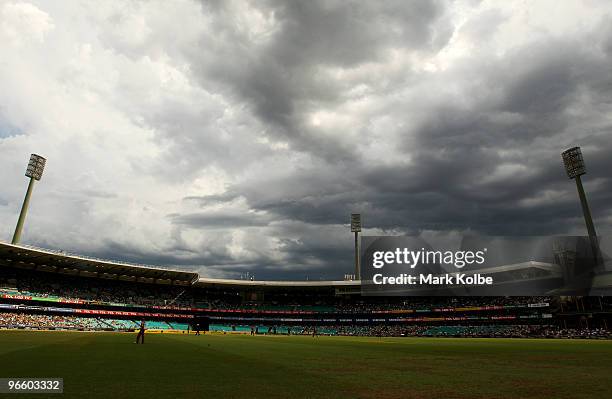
(158, 325)
(73, 302)
(179, 326)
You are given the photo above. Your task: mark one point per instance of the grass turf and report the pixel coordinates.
(110, 365)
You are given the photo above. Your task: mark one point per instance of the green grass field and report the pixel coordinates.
(110, 365)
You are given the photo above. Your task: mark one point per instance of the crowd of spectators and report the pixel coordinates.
(107, 291)
(462, 331)
(13, 320)
(587, 333)
(391, 304)
(94, 289)
(103, 291)
(36, 321)
(507, 331)
(417, 303)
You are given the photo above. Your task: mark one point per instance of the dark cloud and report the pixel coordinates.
(212, 199)
(283, 79)
(421, 115)
(346, 33)
(524, 116)
(220, 219)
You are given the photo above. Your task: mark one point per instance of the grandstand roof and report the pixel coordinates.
(552, 269)
(46, 260)
(28, 257)
(215, 281)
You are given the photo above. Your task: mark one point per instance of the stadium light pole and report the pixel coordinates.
(574, 166)
(34, 171)
(356, 228)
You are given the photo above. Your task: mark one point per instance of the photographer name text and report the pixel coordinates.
(461, 279)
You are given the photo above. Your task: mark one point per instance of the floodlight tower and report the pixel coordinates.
(356, 228)
(574, 166)
(34, 171)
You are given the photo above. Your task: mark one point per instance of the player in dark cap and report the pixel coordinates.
(141, 332)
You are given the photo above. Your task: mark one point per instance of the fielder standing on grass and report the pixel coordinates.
(141, 332)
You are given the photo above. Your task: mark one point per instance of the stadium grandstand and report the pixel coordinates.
(45, 289)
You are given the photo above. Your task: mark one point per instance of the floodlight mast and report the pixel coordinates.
(34, 171)
(356, 228)
(574, 166)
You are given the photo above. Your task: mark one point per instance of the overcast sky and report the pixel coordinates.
(230, 136)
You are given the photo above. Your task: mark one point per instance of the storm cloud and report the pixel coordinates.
(233, 137)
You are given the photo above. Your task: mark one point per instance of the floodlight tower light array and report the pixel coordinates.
(574, 163)
(36, 167)
(34, 171)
